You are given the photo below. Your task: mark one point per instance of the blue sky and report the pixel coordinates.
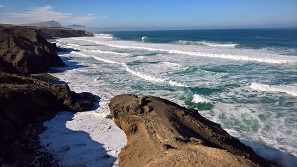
(154, 14)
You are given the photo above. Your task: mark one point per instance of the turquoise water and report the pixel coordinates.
(246, 80)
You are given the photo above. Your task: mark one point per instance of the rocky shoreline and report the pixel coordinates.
(159, 132)
(26, 101)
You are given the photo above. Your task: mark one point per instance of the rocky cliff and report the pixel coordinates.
(22, 99)
(162, 133)
(24, 50)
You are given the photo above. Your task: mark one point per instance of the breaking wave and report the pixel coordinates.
(108, 36)
(288, 89)
(205, 43)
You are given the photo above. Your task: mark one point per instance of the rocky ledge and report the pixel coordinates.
(162, 133)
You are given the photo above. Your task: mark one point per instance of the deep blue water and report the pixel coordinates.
(247, 38)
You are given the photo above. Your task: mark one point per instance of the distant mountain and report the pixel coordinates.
(46, 24)
(78, 27)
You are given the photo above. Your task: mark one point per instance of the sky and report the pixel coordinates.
(153, 14)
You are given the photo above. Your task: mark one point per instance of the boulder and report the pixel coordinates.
(162, 133)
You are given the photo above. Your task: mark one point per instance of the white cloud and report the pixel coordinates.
(46, 13)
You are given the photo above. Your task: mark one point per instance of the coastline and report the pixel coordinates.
(82, 125)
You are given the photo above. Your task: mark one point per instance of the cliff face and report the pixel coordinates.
(162, 133)
(24, 50)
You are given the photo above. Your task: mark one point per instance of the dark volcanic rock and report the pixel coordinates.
(22, 99)
(159, 129)
(23, 50)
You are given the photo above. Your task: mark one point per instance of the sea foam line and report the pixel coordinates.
(140, 75)
(106, 52)
(152, 78)
(107, 36)
(272, 59)
(75, 46)
(234, 57)
(288, 89)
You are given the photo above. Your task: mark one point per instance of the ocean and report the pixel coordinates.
(245, 80)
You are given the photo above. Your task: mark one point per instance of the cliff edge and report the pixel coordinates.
(23, 50)
(162, 133)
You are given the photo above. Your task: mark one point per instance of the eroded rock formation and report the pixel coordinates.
(24, 50)
(162, 133)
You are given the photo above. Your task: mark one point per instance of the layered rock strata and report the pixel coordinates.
(162, 133)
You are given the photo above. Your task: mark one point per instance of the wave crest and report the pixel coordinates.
(205, 43)
(288, 89)
(108, 36)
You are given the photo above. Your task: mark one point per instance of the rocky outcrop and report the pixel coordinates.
(24, 50)
(22, 99)
(162, 133)
(26, 102)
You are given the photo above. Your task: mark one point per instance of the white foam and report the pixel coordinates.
(96, 57)
(200, 99)
(104, 36)
(105, 60)
(106, 52)
(205, 43)
(173, 65)
(80, 54)
(152, 78)
(288, 89)
(83, 139)
(138, 74)
(234, 54)
(273, 59)
(73, 45)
